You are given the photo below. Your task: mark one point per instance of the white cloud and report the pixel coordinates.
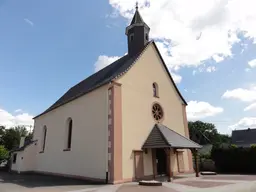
(244, 123)
(7, 119)
(18, 111)
(211, 69)
(29, 22)
(218, 58)
(246, 95)
(104, 61)
(208, 69)
(191, 32)
(252, 63)
(200, 109)
(176, 78)
(250, 107)
(247, 69)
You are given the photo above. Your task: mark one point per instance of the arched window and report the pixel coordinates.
(131, 37)
(155, 90)
(44, 138)
(69, 133)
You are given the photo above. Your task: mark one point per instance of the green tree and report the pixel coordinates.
(224, 138)
(11, 137)
(206, 133)
(2, 131)
(4, 154)
(29, 137)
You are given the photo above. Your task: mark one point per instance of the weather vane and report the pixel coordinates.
(136, 5)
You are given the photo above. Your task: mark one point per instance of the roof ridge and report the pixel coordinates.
(97, 72)
(165, 139)
(180, 135)
(137, 58)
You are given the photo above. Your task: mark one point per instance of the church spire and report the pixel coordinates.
(137, 33)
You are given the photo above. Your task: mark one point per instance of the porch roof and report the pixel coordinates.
(163, 137)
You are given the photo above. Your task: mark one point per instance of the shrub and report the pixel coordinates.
(205, 156)
(235, 159)
(233, 146)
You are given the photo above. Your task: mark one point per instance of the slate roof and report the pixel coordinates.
(137, 19)
(95, 81)
(161, 137)
(104, 76)
(244, 138)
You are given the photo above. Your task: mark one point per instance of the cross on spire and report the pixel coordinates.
(136, 6)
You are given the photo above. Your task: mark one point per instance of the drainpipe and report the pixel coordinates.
(106, 133)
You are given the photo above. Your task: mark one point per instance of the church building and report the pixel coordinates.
(124, 123)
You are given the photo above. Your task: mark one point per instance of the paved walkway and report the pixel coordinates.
(219, 183)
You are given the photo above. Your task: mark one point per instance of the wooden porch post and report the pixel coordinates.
(169, 167)
(194, 151)
(154, 162)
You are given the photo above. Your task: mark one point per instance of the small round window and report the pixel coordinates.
(157, 112)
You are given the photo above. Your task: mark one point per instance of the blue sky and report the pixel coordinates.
(48, 46)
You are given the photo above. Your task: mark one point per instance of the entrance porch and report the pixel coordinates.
(164, 155)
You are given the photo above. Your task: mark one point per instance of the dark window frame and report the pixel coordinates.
(70, 127)
(146, 36)
(155, 90)
(131, 37)
(68, 138)
(14, 158)
(44, 138)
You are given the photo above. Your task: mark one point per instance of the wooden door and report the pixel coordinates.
(180, 160)
(138, 164)
(161, 161)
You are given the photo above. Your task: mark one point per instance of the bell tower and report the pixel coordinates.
(137, 34)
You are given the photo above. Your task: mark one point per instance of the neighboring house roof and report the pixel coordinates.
(104, 76)
(161, 137)
(244, 138)
(26, 144)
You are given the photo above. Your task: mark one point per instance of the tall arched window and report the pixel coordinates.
(43, 138)
(69, 133)
(155, 90)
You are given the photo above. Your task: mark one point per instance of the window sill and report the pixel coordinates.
(41, 152)
(67, 149)
(156, 96)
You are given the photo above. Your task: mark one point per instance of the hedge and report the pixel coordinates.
(234, 160)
